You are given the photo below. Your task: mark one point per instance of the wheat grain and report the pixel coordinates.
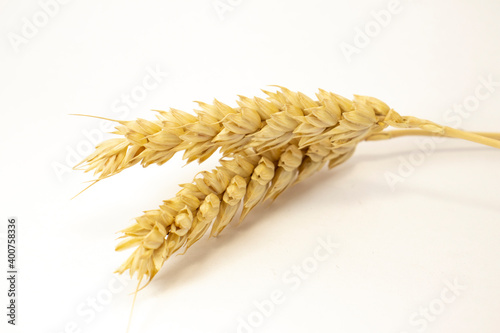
(257, 187)
(288, 165)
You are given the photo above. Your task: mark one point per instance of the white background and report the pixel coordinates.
(398, 247)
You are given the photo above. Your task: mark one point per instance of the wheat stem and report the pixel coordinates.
(473, 137)
(418, 132)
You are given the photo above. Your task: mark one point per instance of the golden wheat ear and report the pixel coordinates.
(263, 124)
(284, 118)
(267, 145)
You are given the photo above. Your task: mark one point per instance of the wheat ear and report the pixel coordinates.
(263, 124)
(210, 200)
(267, 145)
(283, 118)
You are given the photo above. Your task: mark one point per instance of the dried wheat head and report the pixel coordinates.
(267, 145)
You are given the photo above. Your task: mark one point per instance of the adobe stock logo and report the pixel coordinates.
(453, 117)
(292, 278)
(365, 35)
(222, 7)
(30, 27)
(90, 309)
(121, 108)
(428, 313)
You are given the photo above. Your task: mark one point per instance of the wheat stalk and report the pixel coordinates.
(266, 145)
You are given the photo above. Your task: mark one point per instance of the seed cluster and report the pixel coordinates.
(266, 145)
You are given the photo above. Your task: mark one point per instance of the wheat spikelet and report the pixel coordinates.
(266, 144)
(288, 165)
(257, 187)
